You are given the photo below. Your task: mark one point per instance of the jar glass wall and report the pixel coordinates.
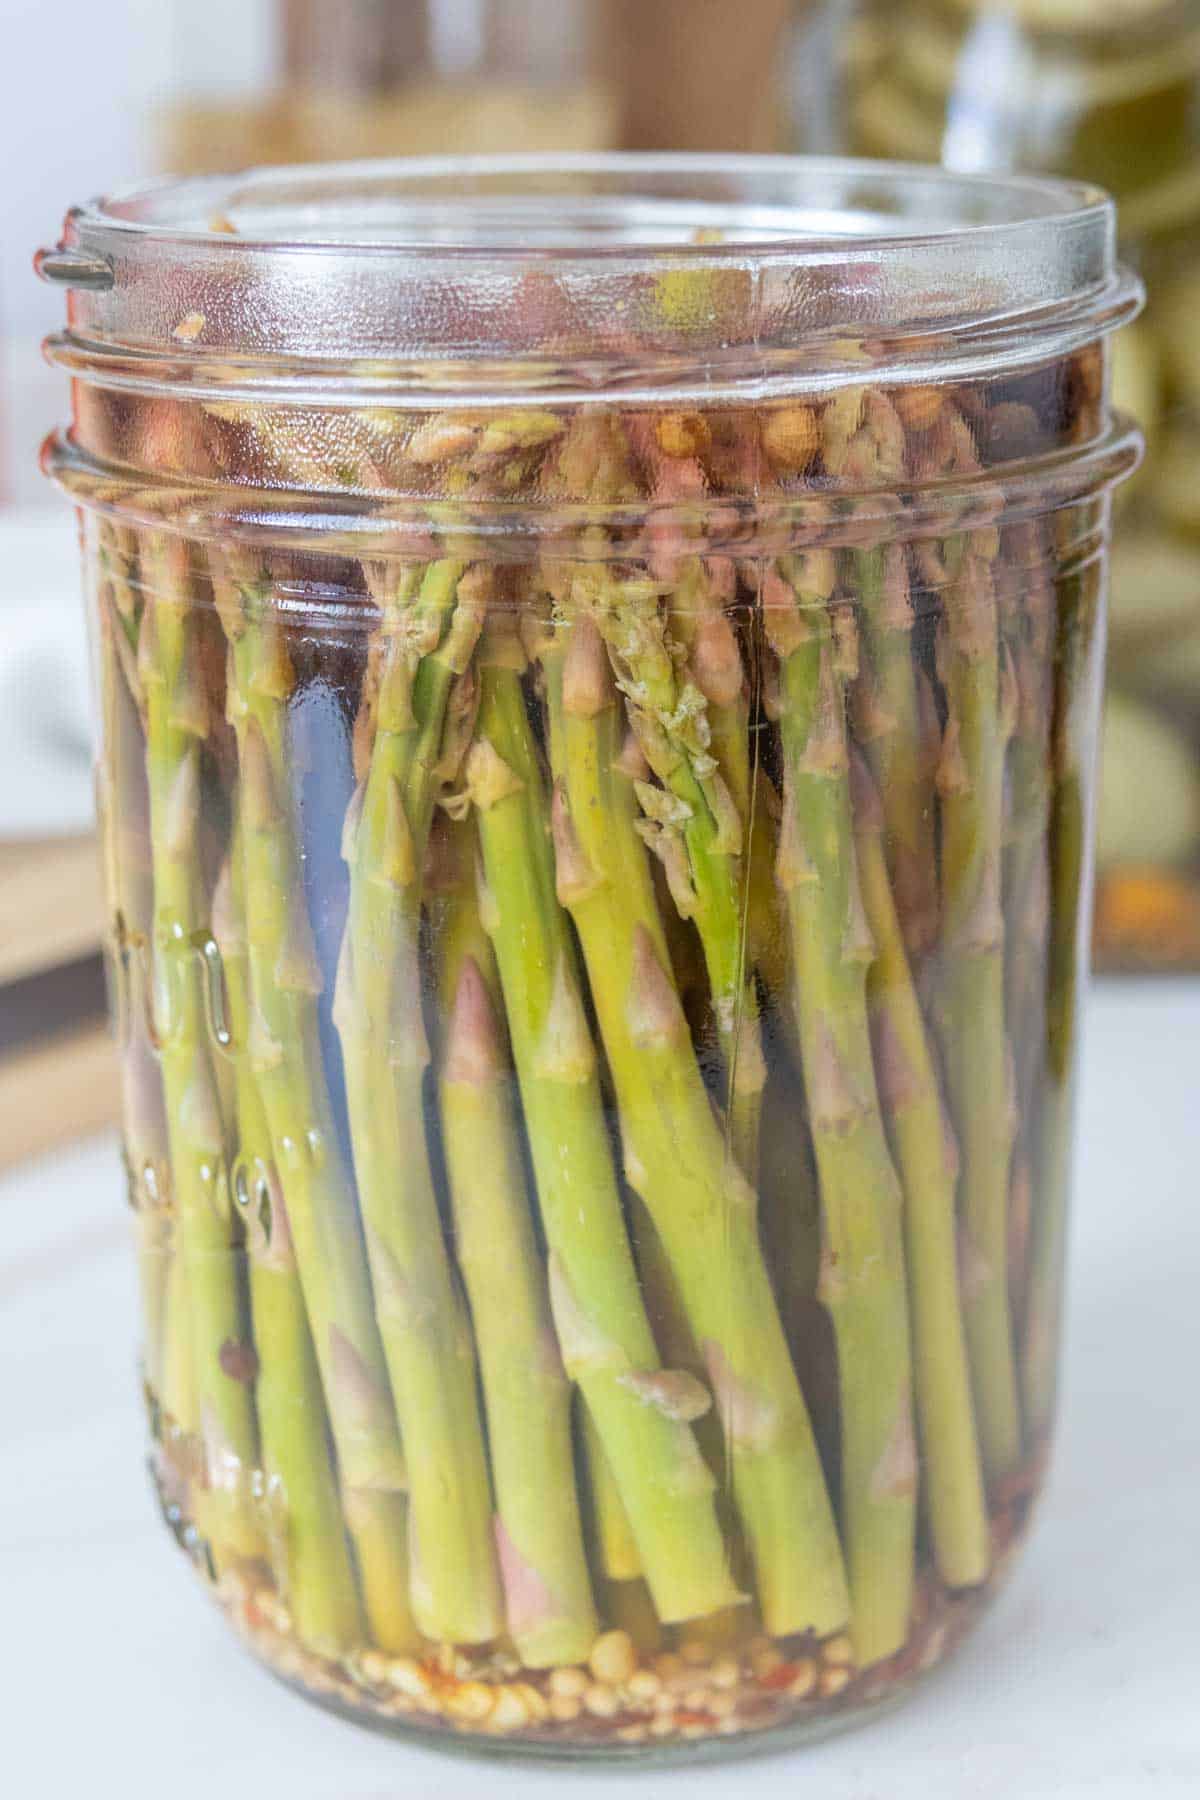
(596, 780)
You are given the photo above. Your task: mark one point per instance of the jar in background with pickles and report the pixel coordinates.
(1108, 91)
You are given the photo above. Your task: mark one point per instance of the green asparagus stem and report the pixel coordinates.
(702, 626)
(180, 1400)
(616, 1546)
(606, 1341)
(309, 1554)
(862, 1278)
(430, 623)
(311, 1557)
(969, 999)
(767, 937)
(1027, 620)
(897, 725)
(285, 1059)
(1076, 703)
(789, 1194)
(550, 1611)
(790, 1203)
(178, 720)
(692, 821)
(702, 1208)
(123, 812)
(908, 1087)
(699, 596)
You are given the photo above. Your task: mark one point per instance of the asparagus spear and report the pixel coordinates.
(607, 1345)
(969, 1000)
(307, 1541)
(927, 1164)
(702, 1208)
(286, 1063)
(1028, 623)
(1077, 680)
(178, 720)
(898, 728)
(429, 623)
(863, 1277)
(1027, 619)
(790, 1205)
(703, 628)
(180, 1401)
(123, 805)
(550, 1611)
(693, 821)
(616, 1546)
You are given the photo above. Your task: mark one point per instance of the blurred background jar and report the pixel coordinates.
(1107, 90)
(395, 78)
(320, 80)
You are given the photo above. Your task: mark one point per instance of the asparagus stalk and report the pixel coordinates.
(429, 622)
(767, 938)
(1027, 622)
(180, 1410)
(309, 1554)
(863, 1277)
(969, 1004)
(928, 1168)
(702, 592)
(123, 806)
(1078, 673)
(703, 628)
(606, 1341)
(549, 1606)
(178, 720)
(285, 1060)
(702, 1208)
(896, 724)
(693, 823)
(790, 1201)
(616, 1545)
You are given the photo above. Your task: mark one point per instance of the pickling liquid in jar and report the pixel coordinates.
(596, 869)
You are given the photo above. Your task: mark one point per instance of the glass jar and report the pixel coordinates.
(360, 78)
(599, 666)
(1108, 91)
(371, 79)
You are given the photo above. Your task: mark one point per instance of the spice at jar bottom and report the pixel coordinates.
(597, 1013)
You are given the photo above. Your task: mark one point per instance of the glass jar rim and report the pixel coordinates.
(731, 277)
(761, 200)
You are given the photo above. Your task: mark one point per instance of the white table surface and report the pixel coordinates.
(118, 1676)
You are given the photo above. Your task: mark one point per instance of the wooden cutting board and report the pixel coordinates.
(62, 1087)
(58, 1069)
(51, 904)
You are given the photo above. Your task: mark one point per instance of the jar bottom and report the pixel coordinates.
(691, 1703)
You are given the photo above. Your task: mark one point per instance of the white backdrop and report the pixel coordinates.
(78, 79)
(79, 83)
